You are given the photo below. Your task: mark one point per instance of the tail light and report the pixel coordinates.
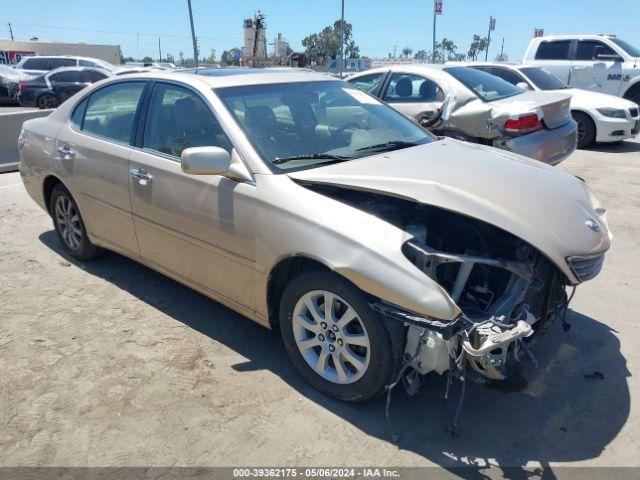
(20, 86)
(524, 124)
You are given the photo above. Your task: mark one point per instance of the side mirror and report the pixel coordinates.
(205, 161)
(523, 85)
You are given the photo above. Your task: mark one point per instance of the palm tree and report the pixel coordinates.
(406, 51)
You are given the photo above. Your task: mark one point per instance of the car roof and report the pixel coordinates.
(235, 78)
(572, 37)
(77, 69)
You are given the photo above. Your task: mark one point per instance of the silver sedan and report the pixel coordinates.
(475, 106)
(311, 207)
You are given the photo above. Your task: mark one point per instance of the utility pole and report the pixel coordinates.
(193, 35)
(341, 38)
(492, 26)
(10, 31)
(502, 51)
(394, 51)
(138, 46)
(159, 51)
(433, 47)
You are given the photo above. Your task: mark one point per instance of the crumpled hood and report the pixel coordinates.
(542, 205)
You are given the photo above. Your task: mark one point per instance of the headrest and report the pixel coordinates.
(404, 87)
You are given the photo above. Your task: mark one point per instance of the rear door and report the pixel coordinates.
(555, 56)
(415, 96)
(66, 84)
(93, 150)
(199, 228)
(591, 73)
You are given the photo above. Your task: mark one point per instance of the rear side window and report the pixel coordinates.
(87, 63)
(36, 63)
(408, 88)
(92, 76)
(61, 62)
(368, 83)
(508, 75)
(556, 50)
(111, 111)
(65, 77)
(178, 119)
(78, 114)
(587, 49)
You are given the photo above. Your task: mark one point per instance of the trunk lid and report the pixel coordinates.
(553, 108)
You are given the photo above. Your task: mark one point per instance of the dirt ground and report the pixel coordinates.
(111, 364)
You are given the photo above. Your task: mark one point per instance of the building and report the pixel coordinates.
(351, 64)
(254, 50)
(12, 51)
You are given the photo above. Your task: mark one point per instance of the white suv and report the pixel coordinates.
(601, 63)
(41, 64)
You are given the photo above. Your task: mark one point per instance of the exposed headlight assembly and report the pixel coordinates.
(612, 112)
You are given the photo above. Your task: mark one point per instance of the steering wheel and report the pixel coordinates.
(342, 132)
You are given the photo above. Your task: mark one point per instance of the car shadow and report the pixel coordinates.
(566, 410)
(621, 147)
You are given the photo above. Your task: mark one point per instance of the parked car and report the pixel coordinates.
(9, 81)
(601, 63)
(311, 207)
(53, 88)
(42, 64)
(478, 107)
(600, 117)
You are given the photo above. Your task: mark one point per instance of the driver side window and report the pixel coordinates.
(179, 119)
(409, 88)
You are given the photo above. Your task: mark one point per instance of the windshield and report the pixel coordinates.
(484, 85)
(301, 125)
(543, 79)
(630, 49)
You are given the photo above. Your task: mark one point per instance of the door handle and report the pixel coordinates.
(66, 152)
(143, 176)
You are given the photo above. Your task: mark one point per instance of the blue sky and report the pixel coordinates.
(378, 24)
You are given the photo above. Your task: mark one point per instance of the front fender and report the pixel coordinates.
(363, 248)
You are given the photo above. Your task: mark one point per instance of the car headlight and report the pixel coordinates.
(612, 112)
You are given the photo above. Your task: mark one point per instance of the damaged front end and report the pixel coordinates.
(507, 290)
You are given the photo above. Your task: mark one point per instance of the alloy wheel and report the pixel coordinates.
(331, 337)
(68, 222)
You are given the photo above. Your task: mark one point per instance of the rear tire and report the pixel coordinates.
(586, 129)
(69, 225)
(353, 360)
(47, 101)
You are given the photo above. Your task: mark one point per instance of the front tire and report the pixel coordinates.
(586, 129)
(334, 338)
(69, 225)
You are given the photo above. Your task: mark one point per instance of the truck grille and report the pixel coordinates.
(585, 268)
(633, 112)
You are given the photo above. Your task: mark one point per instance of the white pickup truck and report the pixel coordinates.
(601, 63)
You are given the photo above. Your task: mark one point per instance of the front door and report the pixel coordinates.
(199, 228)
(415, 96)
(591, 73)
(93, 149)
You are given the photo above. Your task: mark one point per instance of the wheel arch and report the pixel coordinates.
(279, 276)
(633, 89)
(50, 182)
